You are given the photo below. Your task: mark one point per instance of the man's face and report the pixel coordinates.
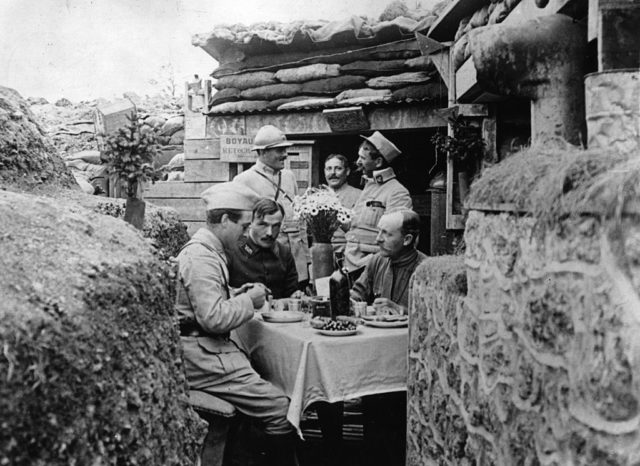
(274, 157)
(234, 230)
(264, 231)
(390, 239)
(336, 173)
(367, 157)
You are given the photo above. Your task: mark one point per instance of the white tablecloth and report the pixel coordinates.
(311, 367)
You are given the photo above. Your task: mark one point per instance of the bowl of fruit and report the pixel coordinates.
(335, 328)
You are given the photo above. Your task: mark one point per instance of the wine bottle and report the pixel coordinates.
(339, 288)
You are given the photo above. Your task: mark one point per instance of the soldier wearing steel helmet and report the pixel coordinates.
(269, 178)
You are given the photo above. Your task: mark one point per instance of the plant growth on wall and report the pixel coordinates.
(464, 146)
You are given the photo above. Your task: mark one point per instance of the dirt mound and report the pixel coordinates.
(92, 370)
(27, 159)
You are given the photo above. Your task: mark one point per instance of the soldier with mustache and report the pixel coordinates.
(268, 178)
(336, 171)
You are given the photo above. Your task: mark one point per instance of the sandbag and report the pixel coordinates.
(423, 63)
(399, 80)
(366, 92)
(229, 94)
(307, 103)
(241, 106)
(331, 86)
(274, 104)
(373, 67)
(307, 73)
(431, 91)
(480, 17)
(246, 80)
(89, 156)
(464, 22)
(271, 92)
(459, 50)
(365, 100)
(499, 13)
(403, 23)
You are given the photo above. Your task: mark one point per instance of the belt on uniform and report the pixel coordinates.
(192, 329)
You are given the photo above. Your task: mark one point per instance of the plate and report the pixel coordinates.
(387, 323)
(338, 333)
(282, 317)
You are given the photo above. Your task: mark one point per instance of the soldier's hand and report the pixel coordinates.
(258, 295)
(384, 306)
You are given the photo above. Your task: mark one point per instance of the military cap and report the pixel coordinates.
(387, 149)
(229, 196)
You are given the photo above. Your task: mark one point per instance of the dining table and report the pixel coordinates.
(309, 366)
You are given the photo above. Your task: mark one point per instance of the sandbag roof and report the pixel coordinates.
(268, 38)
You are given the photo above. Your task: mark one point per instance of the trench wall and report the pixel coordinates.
(539, 362)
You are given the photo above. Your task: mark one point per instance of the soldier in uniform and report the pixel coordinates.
(382, 193)
(336, 171)
(269, 178)
(259, 257)
(208, 310)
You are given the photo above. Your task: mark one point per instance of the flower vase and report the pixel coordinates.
(321, 260)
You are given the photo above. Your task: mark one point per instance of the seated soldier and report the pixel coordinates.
(385, 284)
(259, 257)
(208, 311)
(385, 280)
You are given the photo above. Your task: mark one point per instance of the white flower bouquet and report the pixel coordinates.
(321, 210)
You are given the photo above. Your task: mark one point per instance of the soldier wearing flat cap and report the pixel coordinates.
(208, 311)
(269, 178)
(382, 194)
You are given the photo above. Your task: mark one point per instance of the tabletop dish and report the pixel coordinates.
(387, 324)
(282, 317)
(338, 333)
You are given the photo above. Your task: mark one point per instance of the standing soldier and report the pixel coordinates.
(382, 194)
(268, 178)
(336, 172)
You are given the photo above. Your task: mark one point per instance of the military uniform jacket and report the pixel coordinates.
(274, 267)
(381, 195)
(383, 278)
(264, 181)
(203, 296)
(348, 196)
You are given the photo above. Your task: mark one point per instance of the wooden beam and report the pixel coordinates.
(175, 189)
(206, 171)
(202, 149)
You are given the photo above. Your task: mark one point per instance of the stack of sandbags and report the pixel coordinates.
(170, 129)
(328, 85)
(494, 12)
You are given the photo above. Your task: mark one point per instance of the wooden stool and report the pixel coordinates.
(218, 413)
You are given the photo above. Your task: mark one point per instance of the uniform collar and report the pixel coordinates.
(249, 247)
(260, 166)
(206, 236)
(381, 176)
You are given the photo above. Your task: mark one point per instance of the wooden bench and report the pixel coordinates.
(218, 413)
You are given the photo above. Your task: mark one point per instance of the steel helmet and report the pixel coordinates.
(269, 137)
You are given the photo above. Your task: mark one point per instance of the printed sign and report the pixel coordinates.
(236, 148)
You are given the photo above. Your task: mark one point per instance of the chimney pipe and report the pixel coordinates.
(543, 60)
